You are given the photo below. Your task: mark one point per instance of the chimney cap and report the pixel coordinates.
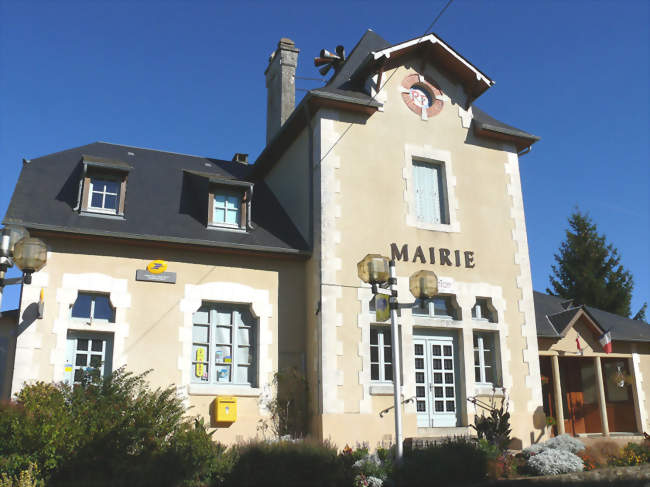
(286, 40)
(240, 158)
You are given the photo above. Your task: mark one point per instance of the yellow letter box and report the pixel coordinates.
(225, 409)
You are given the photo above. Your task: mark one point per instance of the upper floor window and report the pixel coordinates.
(93, 307)
(430, 192)
(483, 310)
(438, 307)
(224, 345)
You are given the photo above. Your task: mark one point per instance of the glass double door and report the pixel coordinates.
(436, 391)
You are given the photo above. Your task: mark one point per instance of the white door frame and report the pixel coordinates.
(441, 386)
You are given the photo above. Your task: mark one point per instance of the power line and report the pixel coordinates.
(442, 11)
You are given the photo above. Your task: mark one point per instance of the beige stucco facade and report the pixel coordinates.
(367, 204)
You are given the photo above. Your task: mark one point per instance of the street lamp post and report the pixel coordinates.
(379, 272)
(27, 253)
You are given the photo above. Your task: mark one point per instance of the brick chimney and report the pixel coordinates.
(280, 86)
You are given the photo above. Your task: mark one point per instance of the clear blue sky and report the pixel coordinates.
(188, 77)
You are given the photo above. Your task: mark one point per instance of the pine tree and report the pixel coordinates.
(589, 271)
(640, 315)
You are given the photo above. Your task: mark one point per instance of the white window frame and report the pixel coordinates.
(225, 208)
(234, 345)
(104, 193)
(442, 204)
(106, 353)
(91, 319)
(481, 349)
(428, 154)
(382, 330)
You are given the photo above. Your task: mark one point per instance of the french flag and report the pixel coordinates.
(606, 341)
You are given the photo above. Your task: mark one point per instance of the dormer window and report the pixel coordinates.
(221, 202)
(102, 188)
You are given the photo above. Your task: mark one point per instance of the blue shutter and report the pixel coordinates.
(426, 179)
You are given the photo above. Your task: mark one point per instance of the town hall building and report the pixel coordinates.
(238, 270)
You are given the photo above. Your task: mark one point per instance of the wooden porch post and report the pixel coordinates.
(558, 395)
(601, 396)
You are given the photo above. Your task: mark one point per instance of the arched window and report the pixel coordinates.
(224, 345)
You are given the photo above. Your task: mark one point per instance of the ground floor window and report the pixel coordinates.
(485, 363)
(381, 354)
(224, 345)
(88, 352)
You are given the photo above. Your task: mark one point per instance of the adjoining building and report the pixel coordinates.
(593, 365)
(215, 274)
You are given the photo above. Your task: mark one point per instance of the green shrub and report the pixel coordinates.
(452, 462)
(36, 428)
(491, 451)
(26, 478)
(287, 463)
(107, 431)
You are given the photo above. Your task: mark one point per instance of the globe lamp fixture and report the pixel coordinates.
(374, 269)
(423, 284)
(30, 255)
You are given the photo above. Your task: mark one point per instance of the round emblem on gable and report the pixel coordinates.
(421, 96)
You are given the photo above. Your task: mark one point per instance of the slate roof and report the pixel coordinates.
(484, 122)
(164, 200)
(561, 320)
(552, 319)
